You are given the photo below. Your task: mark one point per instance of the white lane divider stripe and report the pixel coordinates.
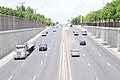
(96, 78)
(108, 64)
(34, 77)
(41, 63)
(22, 64)
(89, 64)
(46, 54)
(93, 48)
(99, 54)
(10, 78)
(83, 54)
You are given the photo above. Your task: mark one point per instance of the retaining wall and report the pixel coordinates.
(110, 35)
(9, 39)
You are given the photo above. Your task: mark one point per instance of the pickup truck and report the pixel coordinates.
(23, 50)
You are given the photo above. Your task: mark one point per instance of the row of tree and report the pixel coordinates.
(111, 12)
(27, 13)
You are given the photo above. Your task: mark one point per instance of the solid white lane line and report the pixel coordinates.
(108, 64)
(89, 64)
(41, 63)
(46, 54)
(22, 64)
(80, 48)
(34, 77)
(10, 78)
(96, 78)
(99, 54)
(83, 54)
(93, 48)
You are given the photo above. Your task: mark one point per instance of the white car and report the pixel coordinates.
(76, 33)
(54, 30)
(43, 34)
(84, 32)
(75, 53)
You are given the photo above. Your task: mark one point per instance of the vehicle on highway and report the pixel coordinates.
(44, 34)
(82, 42)
(43, 46)
(73, 31)
(84, 32)
(54, 29)
(76, 33)
(23, 50)
(75, 53)
(46, 31)
(71, 25)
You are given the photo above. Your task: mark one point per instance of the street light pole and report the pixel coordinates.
(81, 14)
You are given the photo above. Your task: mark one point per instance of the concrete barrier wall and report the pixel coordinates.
(8, 39)
(110, 35)
(13, 23)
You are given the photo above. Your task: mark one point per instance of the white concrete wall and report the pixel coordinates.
(8, 39)
(110, 35)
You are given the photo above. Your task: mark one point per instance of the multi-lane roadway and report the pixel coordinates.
(94, 63)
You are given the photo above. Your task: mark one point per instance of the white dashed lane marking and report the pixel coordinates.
(22, 64)
(41, 63)
(10, 78)
(96, 78)
(89, 64)
(99, 54)
(108, 64)
(46, 54)
(34, 77)
(83, 54)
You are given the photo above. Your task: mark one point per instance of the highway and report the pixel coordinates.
(94, 63)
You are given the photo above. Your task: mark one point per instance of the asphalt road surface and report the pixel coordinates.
(94, 63)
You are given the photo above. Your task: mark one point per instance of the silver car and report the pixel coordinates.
(75, 53)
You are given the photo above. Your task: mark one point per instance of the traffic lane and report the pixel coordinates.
(108, 55)
(95, 52)
(7, 69)
(50, 70)
(109, 65)
(103, 52)
(79, 66)
(99, 65)
(41, 38)
(33, 65)
(11, 67)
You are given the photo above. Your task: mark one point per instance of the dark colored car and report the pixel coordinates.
(43, 47)
(82, 42)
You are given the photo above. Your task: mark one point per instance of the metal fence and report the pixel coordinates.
(103, 24)
(13, 23)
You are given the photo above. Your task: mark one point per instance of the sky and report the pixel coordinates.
(58, 10)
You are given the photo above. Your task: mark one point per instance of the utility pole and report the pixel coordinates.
(81, 14)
